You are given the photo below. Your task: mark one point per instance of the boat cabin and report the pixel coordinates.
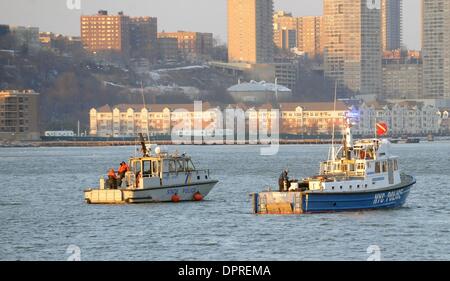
(367, 164)
(162, 169)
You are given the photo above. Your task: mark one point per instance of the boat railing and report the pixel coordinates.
(202, 171)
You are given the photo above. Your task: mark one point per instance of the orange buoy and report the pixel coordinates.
(176, 198)
(198, 196)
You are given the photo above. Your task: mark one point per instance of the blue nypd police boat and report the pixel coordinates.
(360, 175)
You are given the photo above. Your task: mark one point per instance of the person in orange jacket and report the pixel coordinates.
(123, 169)
(112, 179)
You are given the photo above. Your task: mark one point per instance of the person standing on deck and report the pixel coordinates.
(112, 179)
(283, 181)
(123, 169)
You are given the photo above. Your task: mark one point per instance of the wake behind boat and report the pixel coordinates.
(362, 175)
(154, 177)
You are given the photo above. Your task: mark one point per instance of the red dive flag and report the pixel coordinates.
(382, 128)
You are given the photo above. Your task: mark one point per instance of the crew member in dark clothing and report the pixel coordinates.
(283, 181)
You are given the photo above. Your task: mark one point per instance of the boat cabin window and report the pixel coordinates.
(344, 168)
(136, 167)
(395, 165)
(377, 167)
(360, 166)
(179, 165)
(385, 167)
(370, 154)
(155, 167)
(351, 167)
(169, 166)
(147, 168)
(174, 165)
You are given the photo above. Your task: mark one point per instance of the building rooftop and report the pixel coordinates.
(17, 92)
(151, 107)
(314, 106)
(406, 104)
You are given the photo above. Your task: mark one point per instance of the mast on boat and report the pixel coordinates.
(145, 106)
(333, 152)
(348, 141)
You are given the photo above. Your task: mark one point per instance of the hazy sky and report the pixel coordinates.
(194, 15)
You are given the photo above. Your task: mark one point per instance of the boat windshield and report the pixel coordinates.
(175, 165)
(189, 165)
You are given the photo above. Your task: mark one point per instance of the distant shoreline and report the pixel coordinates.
(132, 143)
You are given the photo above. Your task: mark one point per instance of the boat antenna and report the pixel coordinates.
(375, 126)
(333, 153)
(145, 106)
(144, 147)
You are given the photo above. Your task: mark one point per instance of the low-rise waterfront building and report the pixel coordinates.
(19, 115)
(313, 118)
(307, 119)
(402, 118)
(127, 120)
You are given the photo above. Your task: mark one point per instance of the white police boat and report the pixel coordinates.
(155, 177)
(362, 175)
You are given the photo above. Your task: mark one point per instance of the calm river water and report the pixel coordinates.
(43, 216)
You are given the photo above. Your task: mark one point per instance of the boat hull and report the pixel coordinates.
(150, 195)
(324, 202)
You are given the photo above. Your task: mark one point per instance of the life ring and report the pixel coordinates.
(197, 196)
(176, 198)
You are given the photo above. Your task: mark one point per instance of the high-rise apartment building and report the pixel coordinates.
(26, 36)
(19, 115)
(303, 33)
(104, 32)
(310, 34)
(391, 24)
(285, 29)
(352, 45)
(435, 48)
(402, 75)
(191, 43)
(168, 48)
(250, 31)
(144, 36)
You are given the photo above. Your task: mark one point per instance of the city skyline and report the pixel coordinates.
(23, 12)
